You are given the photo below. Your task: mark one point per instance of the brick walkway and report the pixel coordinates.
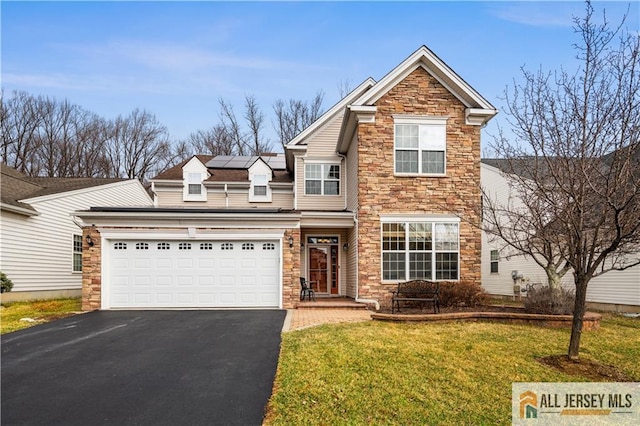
(302, 318)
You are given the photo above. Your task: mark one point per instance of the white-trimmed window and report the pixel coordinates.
(194, 173)
(420, 250)
(194, 185)
(260, 185)
(77, 253)
(420, 145)
(321, 179)
(495, 257)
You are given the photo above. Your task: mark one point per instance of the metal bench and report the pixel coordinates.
(416, 291)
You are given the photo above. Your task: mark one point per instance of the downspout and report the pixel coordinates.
(226, 196)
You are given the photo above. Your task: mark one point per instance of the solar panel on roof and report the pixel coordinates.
(244, 161)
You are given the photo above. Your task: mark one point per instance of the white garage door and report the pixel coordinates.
(193, 274)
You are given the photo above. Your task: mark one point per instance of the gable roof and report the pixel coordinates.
(329, 114)
(175, 172)
(16, 188)
(425, 58)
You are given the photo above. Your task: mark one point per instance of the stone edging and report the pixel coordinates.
(591, 320)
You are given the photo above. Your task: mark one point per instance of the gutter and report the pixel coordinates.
(358, 299)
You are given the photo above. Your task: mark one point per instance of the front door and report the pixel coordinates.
(323, 268)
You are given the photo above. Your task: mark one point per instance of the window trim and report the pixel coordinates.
(190, 178)
(401, 119)
(406, 220)
(74, 239)
(322, 178)
(253, 198)
(495, 261)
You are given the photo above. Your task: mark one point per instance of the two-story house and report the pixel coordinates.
(383, 187)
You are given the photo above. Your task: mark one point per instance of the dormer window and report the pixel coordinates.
(260, 185)
(194, 173)
(195, 183)
(260, 174)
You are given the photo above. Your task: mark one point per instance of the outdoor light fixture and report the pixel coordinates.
(290, 242)
(301, 244)
(89, 240)
(345, 246)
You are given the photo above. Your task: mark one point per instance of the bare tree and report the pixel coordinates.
(136, 142)
(232, 126)
(293, 116)
(20, 123)
(255, 121)
(575, 166)
(344, 88)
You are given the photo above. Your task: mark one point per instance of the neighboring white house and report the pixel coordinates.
(616, 290)
(40, 244)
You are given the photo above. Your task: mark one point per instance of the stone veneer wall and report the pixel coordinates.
(92, 270)
(380, 192)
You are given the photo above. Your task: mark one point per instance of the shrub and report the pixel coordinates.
(7, 285)
(547, 300)
(463, 293)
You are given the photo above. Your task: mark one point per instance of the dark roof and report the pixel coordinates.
(180, 209)
(16, 187)
(225, 173)
(175, 172)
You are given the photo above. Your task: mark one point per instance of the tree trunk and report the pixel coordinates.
(554, 279)
(578, 315)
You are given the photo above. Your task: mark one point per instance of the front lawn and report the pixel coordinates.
(18, 315)
(452, 373)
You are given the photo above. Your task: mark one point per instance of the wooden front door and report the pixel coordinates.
(323, 268)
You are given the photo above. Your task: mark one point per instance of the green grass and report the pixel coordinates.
(40, 310)
(454, 373)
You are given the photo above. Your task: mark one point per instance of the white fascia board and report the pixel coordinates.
(354, 115)
(186, 234)
(181, 220)
(235, 184)
(327, 116)
(435, 67)
(87, 190)
(416, 217)
(18, 210)
(478, 116)
(327, 219)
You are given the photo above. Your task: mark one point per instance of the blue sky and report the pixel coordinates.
(176, 59)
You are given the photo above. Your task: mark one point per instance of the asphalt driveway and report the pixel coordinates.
(142, 368)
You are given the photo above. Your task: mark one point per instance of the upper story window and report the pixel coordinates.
(260, 174)
(260, 185)
(194, 173)
(322, 179)
(194, 183)
(420, 145)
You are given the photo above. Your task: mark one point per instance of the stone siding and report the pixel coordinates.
(380, 192)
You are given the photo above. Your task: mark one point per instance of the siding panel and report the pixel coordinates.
(37, 252)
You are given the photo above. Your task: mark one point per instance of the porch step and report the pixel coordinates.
(331, 303)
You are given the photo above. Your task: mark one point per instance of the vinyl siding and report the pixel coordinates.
(238, 198)
(352, 175)
(37, 252)
(615, 287)
(321, 147)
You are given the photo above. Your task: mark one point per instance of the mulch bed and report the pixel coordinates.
(586, 368)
